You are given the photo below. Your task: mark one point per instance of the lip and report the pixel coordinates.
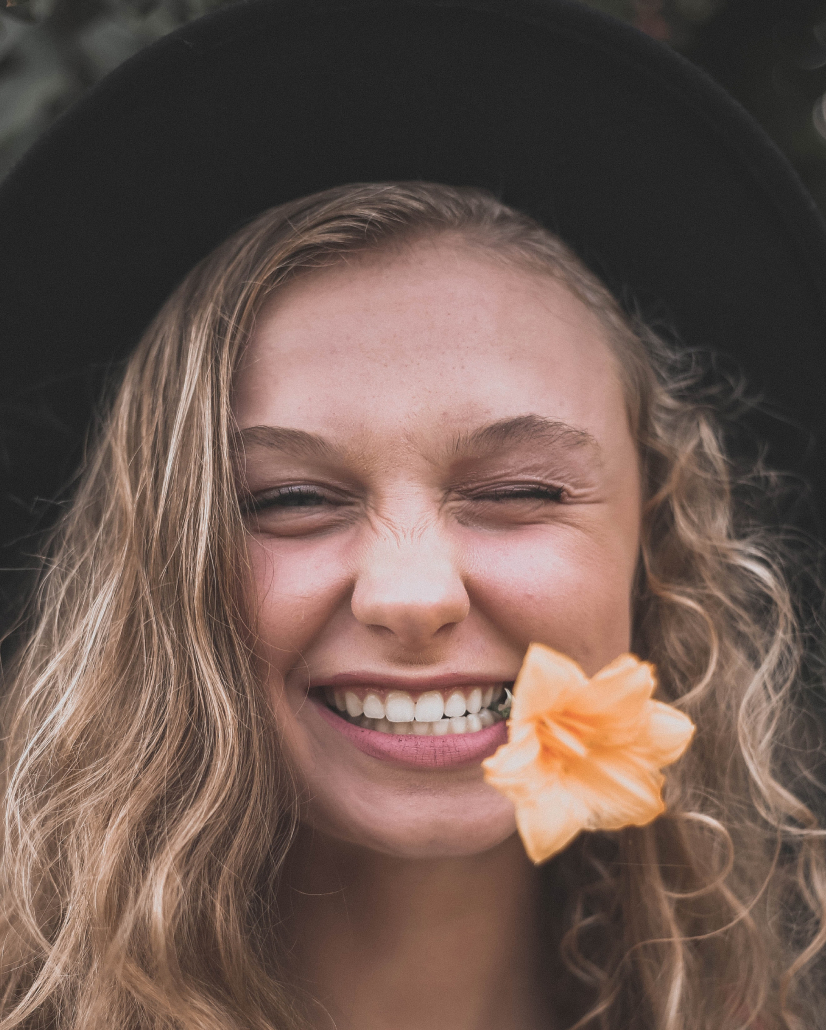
(447, 752)
(412, 684)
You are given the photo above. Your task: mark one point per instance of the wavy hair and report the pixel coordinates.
(148, 809)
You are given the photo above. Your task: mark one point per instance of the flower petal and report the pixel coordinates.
(549, 822)
(544, 677)
(517, 758)
(621, 790)
(619, 692)
(669, 733)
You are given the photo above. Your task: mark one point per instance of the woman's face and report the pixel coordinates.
(441, 471)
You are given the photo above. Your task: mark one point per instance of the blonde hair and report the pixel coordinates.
(148, 809)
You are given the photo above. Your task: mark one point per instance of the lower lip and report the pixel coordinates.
(448, 752)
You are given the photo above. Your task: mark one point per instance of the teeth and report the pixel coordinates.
(474, 701)
(455, 705)
(374, 707)
(430, 707)
(398, 707)
(353, 704)
(438, 728)
(428, 715)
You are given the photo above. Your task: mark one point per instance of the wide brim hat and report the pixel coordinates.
(664, 186)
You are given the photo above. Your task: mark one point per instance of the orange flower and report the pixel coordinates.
(584, 754)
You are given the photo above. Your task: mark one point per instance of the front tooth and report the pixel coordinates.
(421, 729)
(402, 727)
(458, 724)
(373, 707)
(455, 705)
(474, 700)
(341, 704)
(474, 723)
(354, 706)
(430, 707)
(440, 728)
(399, 706)
(383, 726)
(487, 697)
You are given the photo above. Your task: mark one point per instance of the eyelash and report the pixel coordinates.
(301, 496)
(522, 492)
(294, 496)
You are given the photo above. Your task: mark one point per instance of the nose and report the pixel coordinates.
(411, 588)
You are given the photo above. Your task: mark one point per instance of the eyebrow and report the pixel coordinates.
(526, 429)
(295, 442)
(496, 436)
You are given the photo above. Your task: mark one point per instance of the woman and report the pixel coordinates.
(371, 447)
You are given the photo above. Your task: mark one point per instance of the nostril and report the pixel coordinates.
(411, 622)
(412, 607)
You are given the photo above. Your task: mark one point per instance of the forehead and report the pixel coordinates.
(438, 340)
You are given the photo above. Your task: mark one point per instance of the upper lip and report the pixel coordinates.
(411, 684)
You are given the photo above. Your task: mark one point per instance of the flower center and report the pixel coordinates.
(565, 735)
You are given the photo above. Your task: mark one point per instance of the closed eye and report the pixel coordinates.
(509, 504)
(521, 492)
(298, 510)
(285, 498)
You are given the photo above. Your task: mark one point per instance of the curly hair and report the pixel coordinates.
(148, 808)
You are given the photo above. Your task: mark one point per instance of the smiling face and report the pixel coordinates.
(439, 470)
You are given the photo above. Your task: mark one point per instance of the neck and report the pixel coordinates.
(383, 941)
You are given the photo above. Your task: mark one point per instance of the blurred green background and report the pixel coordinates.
(770, 54)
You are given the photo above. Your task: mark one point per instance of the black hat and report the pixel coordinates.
(660, 181)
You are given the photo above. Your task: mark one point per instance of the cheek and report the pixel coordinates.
(298, 589)
(562, 589)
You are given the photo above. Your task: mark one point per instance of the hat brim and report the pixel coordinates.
(663, 184)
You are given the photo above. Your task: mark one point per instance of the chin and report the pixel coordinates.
(417, 827)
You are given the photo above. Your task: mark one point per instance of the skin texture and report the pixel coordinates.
(471, 486)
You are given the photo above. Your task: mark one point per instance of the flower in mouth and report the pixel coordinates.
(584, 754)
